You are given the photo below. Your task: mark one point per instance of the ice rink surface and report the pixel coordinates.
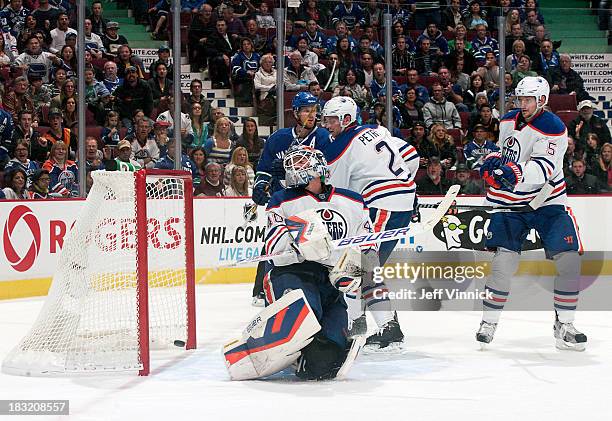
(441, 374)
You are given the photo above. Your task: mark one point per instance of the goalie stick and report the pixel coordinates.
(535, 203)
(375, 237)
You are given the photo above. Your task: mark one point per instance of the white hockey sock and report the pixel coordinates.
(377, 301)
(355, 306)
(567, 285)
(503, 267)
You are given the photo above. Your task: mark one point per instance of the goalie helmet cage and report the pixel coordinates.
(124, 282)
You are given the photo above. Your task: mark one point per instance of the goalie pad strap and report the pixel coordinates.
(273, 340)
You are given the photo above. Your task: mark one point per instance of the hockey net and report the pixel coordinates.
(124, 282)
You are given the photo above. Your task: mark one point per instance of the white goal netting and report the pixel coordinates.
(94, 318)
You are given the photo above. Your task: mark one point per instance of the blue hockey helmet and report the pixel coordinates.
(303, 99)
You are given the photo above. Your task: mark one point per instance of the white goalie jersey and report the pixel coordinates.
(538, 148)
(368, 160)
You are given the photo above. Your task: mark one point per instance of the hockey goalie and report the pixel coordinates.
(305, 321)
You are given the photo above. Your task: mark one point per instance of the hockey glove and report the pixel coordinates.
(345, 276)
(490, 163)
(310, 237)
(261, 192)
(278, 170)
(505, 178)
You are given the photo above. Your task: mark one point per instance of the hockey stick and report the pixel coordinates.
(535, 203)
(377, 237)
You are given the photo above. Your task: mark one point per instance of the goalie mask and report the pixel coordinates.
(303, 164)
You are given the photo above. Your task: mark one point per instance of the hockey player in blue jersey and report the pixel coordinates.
(305, 319)
(529, 169)
(368, 160)
(270, 170)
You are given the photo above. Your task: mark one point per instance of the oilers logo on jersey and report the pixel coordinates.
(511, 150)
(335, 223)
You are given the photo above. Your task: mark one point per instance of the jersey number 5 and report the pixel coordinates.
(383, 145)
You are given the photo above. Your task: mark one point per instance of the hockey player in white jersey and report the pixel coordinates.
(368, 160)
(305, 218)
(533, 142)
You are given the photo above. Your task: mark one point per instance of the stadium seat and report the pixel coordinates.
(428, 81)
(421, 172)
(465, 119)
(562, 102)
(405, 133)
(457, 136)
(567, 115)
(290, 120)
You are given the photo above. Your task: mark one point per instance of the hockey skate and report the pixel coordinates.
(389, 337)
(485, 333)
(358, 327)
(568, 337)
(320, 361)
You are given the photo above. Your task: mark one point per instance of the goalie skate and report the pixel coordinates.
(485, 333)
(568, 337)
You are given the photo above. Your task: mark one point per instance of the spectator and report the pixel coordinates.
(348, 84)
(402, 14)
(373, 14)
(217, 113)
(548, 58)
(478, 148)
(452, 91)
(565, 80)
(238, 184)
(297, 76)
(474, 15)
(68, 90)
(7, 141)
(198, 156)
(425, 147)
(185, 126)
(21, 160)
(211, 185)
(235, 27)
(159, 13)
(8, 52)
(433, 183)
(195, 96)
(110, 131)
(123, 161)
(35, 60)
(468, 186)
(458, 76)
(144, 148)
(346, 58)
(240, 158)
(518, 50)
(530, 23)
(167, 161)
(160, 136)
(516, 34)
(219, 48)
(426, 61)
(199, 129)
(163, 56)
(476, 86)
(244, 66)
(201, 28)
(460, 35)
(264, 83)
(451, 16)
(438, 43)
(250, 140)
(15, 182)
(58, 133)
(413, 82)
(219, 146)
(461, 53)
(125, 59)
(378, 50)
(97, 96)
(418, 137)
(535, 43)
(365, 70)
(439, 110)
(586, 123)
(341, 32)
(379, 83)
(111, 80)
(98, 23)
(45, 15)
(349, 13)
(513, 17)
(12, 17)
(444, 145)
(58, 35)
(592, 149)
(485, 119)
(601, 166)
(133, 94)
(260, 43)
(309, 58)
(265, 19)
(523, 69)
(482, 44)
(39, 188)
(93, 42)
(572, 153)
(93, 156)
(40, 94)
(579, 182)
(112, 40)
(412, 107)
(402, 59)
(160, 86)
(64, 173)
(314, 38)
(69, 113)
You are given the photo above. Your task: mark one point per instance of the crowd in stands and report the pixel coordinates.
(446, 97)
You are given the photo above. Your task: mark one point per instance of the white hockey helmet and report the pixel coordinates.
(302, 164)
(341, 106)
(535, 86)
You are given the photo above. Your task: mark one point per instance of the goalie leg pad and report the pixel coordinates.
(273, 340)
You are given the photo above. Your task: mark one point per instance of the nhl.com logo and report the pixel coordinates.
(18, 214)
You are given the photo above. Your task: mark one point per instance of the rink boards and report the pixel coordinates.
(33, 233)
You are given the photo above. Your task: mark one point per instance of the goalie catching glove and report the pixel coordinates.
(345, 276)
(310, 237)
